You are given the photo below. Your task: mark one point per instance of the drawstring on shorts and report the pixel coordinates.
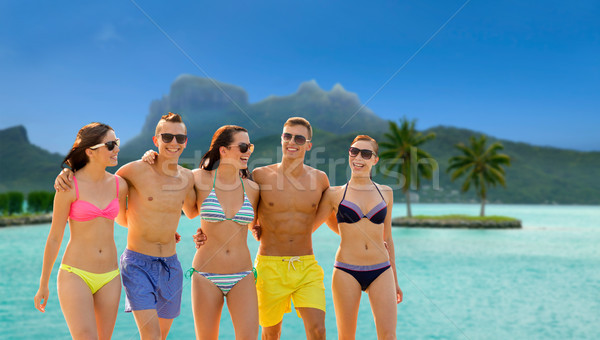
(291, 261)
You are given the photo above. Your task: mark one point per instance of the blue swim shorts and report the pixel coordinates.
(152, 283)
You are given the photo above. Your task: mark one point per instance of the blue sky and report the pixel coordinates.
(523, 71)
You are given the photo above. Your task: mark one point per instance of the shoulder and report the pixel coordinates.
(186, 172)
(260, 173)
(65, 196)
(386, 191)
(333, 193)
(132, 167)
(321, 175)
(250, 185)
(123, 186)
(203, 179)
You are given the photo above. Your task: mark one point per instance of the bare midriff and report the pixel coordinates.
(91, 246)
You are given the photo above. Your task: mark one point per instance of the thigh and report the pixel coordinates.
(382, 296)
(168, 304)
(271, 332)
(314, 322)
(311, 289)
(273, 294)
(207, 303)
(346, 293)
(77, 304)
(243, 308)
(106, 306)
(147, 323)
(165, 327)
(139, 282)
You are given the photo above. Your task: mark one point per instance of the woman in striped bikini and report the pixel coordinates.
(360, 212)
(222, 267)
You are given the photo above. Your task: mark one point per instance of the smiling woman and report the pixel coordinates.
(88, 282)
(222, 268)
(361, 213)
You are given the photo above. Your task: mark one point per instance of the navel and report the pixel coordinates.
(150, 198)
(271, 204)
(366, 247)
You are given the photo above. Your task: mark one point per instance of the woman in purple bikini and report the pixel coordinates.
(363, 219)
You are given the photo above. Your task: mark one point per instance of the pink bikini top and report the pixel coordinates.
(85, 211)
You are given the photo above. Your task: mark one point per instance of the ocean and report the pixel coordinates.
(539, 282)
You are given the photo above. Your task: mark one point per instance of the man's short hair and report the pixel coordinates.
(300, 121)
(171, 118)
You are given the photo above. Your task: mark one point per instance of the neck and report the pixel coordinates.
(360, 181)
(167, 166)
(293, 167)
(228, 173)
(95, 172)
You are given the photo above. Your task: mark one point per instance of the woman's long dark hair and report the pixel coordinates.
(222, 137)
(87, 136)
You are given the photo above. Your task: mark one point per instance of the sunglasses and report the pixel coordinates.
(364, 153)
(298, 139)
(109, 145)
(168, 137)
(244, 147)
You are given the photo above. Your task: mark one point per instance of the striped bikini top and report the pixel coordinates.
(212, 211)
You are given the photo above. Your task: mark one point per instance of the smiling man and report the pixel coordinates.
(290, 192)
(152, 275)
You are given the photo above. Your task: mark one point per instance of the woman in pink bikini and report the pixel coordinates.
(365, 259)
(88, 283)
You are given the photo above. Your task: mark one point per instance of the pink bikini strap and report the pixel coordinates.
(76, 187)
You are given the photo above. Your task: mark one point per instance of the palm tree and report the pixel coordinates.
(402, 153)
(482, 166)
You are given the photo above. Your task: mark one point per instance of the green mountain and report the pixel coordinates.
(25, 167)
(537, 175)
(207, 104)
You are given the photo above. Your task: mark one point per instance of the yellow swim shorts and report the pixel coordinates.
(282, 277)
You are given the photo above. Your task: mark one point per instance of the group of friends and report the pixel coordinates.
(281, 204)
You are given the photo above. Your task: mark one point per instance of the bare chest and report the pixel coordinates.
(160, 192)
(290, 198)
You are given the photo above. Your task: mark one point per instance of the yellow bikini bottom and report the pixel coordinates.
(93, 280)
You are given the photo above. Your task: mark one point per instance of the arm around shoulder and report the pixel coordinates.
(190, 207)
(121, 218)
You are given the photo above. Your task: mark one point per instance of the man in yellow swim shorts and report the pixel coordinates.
(290, 192)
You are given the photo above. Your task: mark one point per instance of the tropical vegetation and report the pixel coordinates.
(481, 165)
(402, 152)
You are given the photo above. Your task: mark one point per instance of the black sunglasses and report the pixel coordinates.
(109, 145)
(364, 153)
(298, 139)
(244, 147)
(168, 137)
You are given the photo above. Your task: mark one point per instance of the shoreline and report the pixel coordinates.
(459, 223)
(25, 220)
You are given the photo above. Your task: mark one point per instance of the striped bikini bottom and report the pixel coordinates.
(224, 282)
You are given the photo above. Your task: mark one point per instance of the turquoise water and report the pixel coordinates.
(541, 282)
